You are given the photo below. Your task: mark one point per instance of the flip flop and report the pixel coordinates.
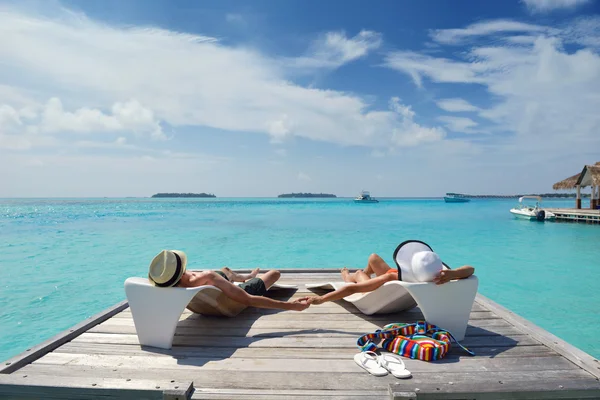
(371, 362)
(395, 365)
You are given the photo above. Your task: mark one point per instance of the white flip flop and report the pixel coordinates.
(371, 362)
(395, 365)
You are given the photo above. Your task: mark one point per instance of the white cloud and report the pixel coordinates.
(303, 177)
(455, 36)
(130, 116)
(583, 31)
(184, 80)
(409, 133)
(549, 5)
(335, 49)
(459, 124)
(281, 152)
(456, 105)
(437, 69)
(30, 126)
(539, 92)
(10, 119)
(280, 128)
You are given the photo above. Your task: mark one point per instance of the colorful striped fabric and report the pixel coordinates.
(421, 341)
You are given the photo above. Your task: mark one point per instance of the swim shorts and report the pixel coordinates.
(254, 286)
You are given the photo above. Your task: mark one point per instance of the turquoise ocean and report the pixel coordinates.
(63, 260)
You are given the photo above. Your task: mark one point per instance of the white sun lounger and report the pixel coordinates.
(391, 297)
(156, 310)
(447, 306)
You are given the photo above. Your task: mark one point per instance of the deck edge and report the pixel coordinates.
(565, 349)
(28, 356)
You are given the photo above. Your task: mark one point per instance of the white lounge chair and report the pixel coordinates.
(156, 310)
(447, 306)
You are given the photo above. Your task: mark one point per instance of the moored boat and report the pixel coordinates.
(456, 198)
(532, 212)
(365, 197)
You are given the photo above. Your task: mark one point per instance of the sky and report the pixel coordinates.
(250, 99)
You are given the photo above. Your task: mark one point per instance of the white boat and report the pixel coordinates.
(532, 213)
(365, 197)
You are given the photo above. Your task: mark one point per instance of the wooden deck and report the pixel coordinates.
(272, 354)
(586, 215)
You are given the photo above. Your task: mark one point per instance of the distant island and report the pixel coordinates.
(305, 195)
(516, 196)
(184, 195)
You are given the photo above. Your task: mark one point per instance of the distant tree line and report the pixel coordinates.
(184, 195)
(547, 195)
(301, 195)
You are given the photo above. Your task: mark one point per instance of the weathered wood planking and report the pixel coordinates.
(43, 348)
(331, 380)
(307, 365)
(24, 385)
(287, 353)
(273, 354)
(307, 341)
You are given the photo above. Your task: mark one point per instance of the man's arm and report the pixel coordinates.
(447, 275)
(238, 294)
(366, 286)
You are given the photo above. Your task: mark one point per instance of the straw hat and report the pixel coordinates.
(167, 268)
(417, 262)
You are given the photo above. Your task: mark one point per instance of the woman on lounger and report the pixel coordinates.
(168, 269)
(424, 266)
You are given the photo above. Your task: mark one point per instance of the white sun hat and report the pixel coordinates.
(417, 262)
(167, 268)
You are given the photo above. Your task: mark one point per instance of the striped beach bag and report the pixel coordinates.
(421, 341)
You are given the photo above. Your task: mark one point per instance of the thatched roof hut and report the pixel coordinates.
(567, 184)
(572, 181)
(590, 176)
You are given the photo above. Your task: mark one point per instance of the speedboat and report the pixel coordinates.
(532, 212)
(365, 197)
(456, 198)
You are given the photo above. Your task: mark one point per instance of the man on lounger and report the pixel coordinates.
(426, 266)
(168, 268)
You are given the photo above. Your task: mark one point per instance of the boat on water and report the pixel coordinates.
(365, 197)
(532, 212)
(456, 198)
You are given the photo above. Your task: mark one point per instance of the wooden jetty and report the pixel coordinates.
(272, 354)
(576, 215)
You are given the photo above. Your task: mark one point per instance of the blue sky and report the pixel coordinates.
(114, 98)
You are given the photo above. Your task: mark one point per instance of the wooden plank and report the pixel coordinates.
(292, 342)
(19, 385)
(572, 353)
(199, 329)
(475, 327)
(496, 387)
(254, 314)
(347, 364)
(243, 394)
(298, 353)
(302, 380)
(39, 350)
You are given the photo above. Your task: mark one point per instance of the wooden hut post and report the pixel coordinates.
(593, 198)
(578, 200)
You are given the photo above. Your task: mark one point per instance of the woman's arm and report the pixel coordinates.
(447, 275)
(366, 286)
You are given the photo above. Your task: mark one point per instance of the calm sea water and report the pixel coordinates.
(64, 260)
